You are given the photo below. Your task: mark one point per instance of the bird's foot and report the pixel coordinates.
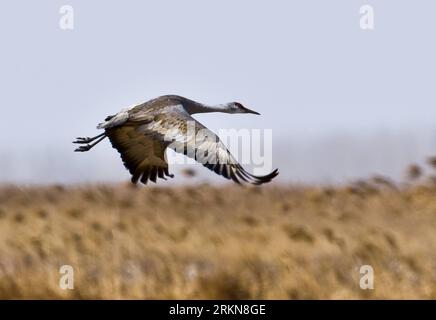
(83, 140)
(83, 148)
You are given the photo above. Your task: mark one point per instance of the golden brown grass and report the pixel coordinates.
(288, 242)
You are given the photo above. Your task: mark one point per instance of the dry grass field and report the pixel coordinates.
(204, 242)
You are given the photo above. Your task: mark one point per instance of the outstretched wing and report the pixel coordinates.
(142, 155)
(182, 133)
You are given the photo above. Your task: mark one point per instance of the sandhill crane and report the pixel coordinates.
(142, 133)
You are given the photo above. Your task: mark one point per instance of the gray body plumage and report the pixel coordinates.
(142, 133)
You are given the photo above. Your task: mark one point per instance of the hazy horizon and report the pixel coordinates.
(334, 158)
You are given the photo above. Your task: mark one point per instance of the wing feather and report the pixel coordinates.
(182, 133)
(141, 140)
(142, 155)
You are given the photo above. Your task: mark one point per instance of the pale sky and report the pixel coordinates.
(341, 101)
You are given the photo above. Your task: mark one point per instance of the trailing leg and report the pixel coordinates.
(90, 146)
(88, 139)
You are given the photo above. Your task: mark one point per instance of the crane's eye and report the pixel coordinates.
(239, 105)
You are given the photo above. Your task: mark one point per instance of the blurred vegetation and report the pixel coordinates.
(229, 242)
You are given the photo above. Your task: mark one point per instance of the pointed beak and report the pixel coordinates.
(251, 111)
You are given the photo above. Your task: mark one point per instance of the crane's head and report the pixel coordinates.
(236, 107)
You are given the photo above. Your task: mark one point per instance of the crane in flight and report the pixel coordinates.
(141, 135)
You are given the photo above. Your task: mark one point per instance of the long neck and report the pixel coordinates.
(196, 107)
